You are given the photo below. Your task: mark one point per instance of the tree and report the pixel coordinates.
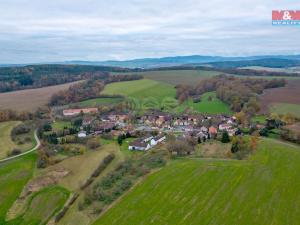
(120, 139)
(199, 140)
(225, 137)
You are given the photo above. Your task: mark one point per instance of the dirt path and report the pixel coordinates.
(38, 143)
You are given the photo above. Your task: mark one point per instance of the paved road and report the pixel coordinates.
(38, 143)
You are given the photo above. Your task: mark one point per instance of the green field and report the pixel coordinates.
(215, 106)
(98, 102)
(262, 190)
(141, 89)
(13, 176)
(284, 108)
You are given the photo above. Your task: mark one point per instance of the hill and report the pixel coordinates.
(261, 190)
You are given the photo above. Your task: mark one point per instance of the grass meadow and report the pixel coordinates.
(261, 190)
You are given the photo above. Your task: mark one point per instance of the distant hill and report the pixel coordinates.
(267, 62)
(147, 63)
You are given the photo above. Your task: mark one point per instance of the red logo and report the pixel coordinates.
(286, 15)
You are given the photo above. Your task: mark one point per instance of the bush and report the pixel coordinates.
(225, 137)
(15, 151)
(20, 129)
(93, 143)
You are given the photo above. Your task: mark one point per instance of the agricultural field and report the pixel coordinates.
(141, 89)
(284, 108)
(97, 102)
(288, 94)
(175, 77)
(31, 99)
(215, 106)
(285, 70)
(13, 176)
(261, 190)
(21, 142)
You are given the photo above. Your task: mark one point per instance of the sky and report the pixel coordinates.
(33, 31)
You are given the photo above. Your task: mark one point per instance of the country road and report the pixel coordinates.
(38, 143)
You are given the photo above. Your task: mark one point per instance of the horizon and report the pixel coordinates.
(65, 30)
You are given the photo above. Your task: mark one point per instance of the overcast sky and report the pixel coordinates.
(59, 30)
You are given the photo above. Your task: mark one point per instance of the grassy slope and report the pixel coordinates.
(211, 107)
(13, 176)
(284, 108)
(263, 190)
(141, 89)
(6, 144)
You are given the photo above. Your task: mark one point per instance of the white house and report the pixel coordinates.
(156, 140)
(139, 145)
(81, 134)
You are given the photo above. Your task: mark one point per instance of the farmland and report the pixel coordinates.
(175, 77)
(284, 108)
(262, 190)
(141, 89)
(13, 176)
(213, 106)
(31, 99)
(288, 94)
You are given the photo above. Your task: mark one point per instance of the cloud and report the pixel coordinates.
(57, 30)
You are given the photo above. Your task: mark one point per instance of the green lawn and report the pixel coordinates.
(60, 124)
(261, 119)
(215, 106)
(284, 108)
(262, 190)
(13, 176)
(98, 102)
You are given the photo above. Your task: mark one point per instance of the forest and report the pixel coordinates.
(239, 93)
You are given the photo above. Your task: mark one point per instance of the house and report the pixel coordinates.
(203, 129)
(147, 138)
(87, 120)
(139, 145)
(224, 126)
(74, 112)
(81, 134)
(212, 131)
(158, 139)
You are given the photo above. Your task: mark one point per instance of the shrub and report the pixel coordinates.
(93, 143)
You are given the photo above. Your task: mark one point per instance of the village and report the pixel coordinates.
(153, 126)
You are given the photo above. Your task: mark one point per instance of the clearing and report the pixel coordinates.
(284, 108)
(261, 190)
(215, 106)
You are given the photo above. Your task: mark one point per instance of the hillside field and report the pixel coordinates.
(6, 144)
(215, 106)
(31, 99)
(261, 190)
(98, 102)
(175, 77)
(141, 89)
